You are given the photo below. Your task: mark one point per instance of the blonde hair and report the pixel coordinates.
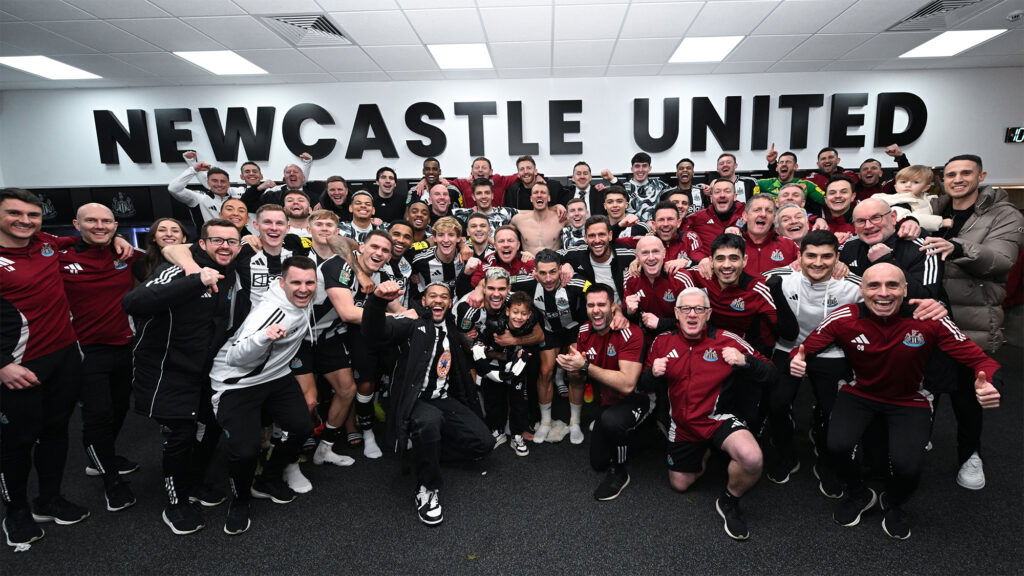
(917, 172)
(448, 224)
(323, 215)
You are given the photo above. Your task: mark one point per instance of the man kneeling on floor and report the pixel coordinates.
(434, 405)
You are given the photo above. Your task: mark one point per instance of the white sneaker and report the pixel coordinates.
(499, 438)
(575, 434)
(296, 480)
(541, 434)
(324, 454)
(370, 448)
(972, 474)
(518, 444)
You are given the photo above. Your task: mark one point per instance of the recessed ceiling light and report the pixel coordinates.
(461, 56)
(705, 49)
(47, 68)
(951, 43)
(222, 62)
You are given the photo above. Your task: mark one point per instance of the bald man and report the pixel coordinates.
(95, 280)
(887, 348)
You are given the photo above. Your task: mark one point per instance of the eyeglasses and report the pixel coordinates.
(876, 220)
(688, 309)
(214, 241)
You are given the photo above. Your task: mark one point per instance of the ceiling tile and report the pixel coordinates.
(108, 9)
(361, 76)
(742, 67)
(465, 20)
(1016, 60)
(644, 51)
(168, 33)
(11, 50)
(402, 57)
(638, 70)
(521, 54)
(237, 32)
(871, 16)
(38, 84)
(852, 65)
(801, 16)
(8, 74)
(578, 71)
(413, 75)
(730, 18)
(489, 3)
(387, 28)
(798, 66)
(99, 35)
(516, 24)
(246, 80)
(279, 7)
(34, 10)
(760, 48)
(341, 59)
(827, 46)
(356, 5)
(659, 20)
(5, 17)
(39, 41)
(469, 74)
(281, 61)
(588, 22)
(575, 2)
(417, 4)
(106, 66)
(163, 64)
(689, 68)
(994, 17)
(889, 45)
(583, 52)
(1011, 42)
(524, 72)
(199, 7)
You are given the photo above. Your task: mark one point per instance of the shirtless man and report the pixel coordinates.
(540, 227)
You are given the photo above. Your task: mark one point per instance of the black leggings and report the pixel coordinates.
(825, 375)
(506, 402)
(612, 430)
(106, 391)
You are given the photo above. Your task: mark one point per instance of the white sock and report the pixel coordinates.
(545, 414)
(364, 399)
(574, 414)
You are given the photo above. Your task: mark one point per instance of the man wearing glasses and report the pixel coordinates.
(181, 321)
(705, 370)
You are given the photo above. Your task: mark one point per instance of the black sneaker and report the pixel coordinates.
(735, 524)
(238, 517)
(829, 483)
(850, 508)
(894, 519)
(208, 496)
(274, 490)
(124, 467)
(119, 496)
(780, 470)
(58, 510)
(615, 480)
(428, 506)
(21, 529)
(184, 518)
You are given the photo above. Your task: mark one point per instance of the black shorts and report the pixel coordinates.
(559, 340)
(365, 361)
(324, 357)
(688, 457)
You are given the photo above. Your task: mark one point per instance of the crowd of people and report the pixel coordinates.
(442, 322)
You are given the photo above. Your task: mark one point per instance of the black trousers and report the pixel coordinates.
(825, 375)
(968, 412)
(506, 402)
(188, 447)
(445, 430)
(34, 425)
(909, 428)
(106, 378)
(239, 413)
(613, 428)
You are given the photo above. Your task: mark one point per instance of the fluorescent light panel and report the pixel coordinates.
(704, 49)
(47, 68)
(951, 43)
(461, 56)
(222, 62)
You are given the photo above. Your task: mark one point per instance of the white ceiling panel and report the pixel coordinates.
(15, 75)
(798, 66)
(644, 51)
(889, 45)
(827, 46)
(761, 48)
(386, 28)
(11, 50)
(44, 10)
(517, 24)
(577, 2)
(237, 32)
(112, 9)
(360, 76)
(100, 35)
(638, 70)
(851, 65)
(730, 18)
(422, 4)
(106, 66)
(357, 5)
(659, 20)
(414, 75)
(583, 53)
(981, 62)
(5, 17)
(341, 59)
(490, 3)
(249, 80)
(588, 21)
(801, 16)
(1011, 42)
(281, 61)
(871, 16)
(278, 7)
(428, 24)
(469, 74)
(742, 67)
(521, 54)
(994, 17)
(163, 64)
(524, 72)
(689, 68)
(578, 71)
(168, 33)
(39, 41)
(199, 7)
(402, 57)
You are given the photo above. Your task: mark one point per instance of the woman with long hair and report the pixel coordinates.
(162, 232)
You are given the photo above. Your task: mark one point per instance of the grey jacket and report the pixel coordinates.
(975, 281)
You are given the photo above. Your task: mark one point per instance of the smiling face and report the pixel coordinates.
(217, 244)
(727, 264)
(418, 215)
(682, 202)
(432, 172)
(597, 237)
(650, 253)
(691, 323)
(167, 233)
(323, 230)
(577, 213)
(518, 314)
(874, 221)
(251, 174)
(480, 169)
(870, 173)
(684, 174)
(297, 206)
(361, 207)
(484, 197)
(387, 181)
(440, 200)
(640, 171)
(793, 223)
(96, 223)
(883, 287)
(495, 293)
(817, 262)
(446, 241)
(506, 245)
(666, 223)
(527, 171)
(293, 177)
(726, 166)
(437, 299)
(234, 211)
(272, 226)
(786, 167)
(791, 195)
(839, 196)
(723, 196)
(615, 205)
(218, 184)
(828, 161)
(299, 286)
(760, 214)
(581, 176)
(401, 239)
(961, 179)
(337, 191)
(539, 196)
(478, 230)
(599, 310)
(547, 274)
(374, 253)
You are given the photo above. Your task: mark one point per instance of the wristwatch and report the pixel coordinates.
(586, 365)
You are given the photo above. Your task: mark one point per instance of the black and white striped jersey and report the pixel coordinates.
(324, 317)
(562, 308)
(350, 230)
(429, 269)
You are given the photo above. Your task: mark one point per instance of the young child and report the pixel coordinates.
(502, 370)
(912, 199)
(572, 234)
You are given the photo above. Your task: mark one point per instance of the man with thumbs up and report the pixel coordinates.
(887, 349)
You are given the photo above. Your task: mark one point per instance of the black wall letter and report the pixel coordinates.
(368, 118)
(110, 133)
(705, 118)
(885, 113)
(414, 121)
(168, 136)
(801, 105)
(841, 120)
(476, 112)
(558, 126)
(516, 146)
(759, 126)
(641, 125)
(225, 142)
(292, 123)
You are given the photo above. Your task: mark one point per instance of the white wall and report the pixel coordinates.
(47, 138)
